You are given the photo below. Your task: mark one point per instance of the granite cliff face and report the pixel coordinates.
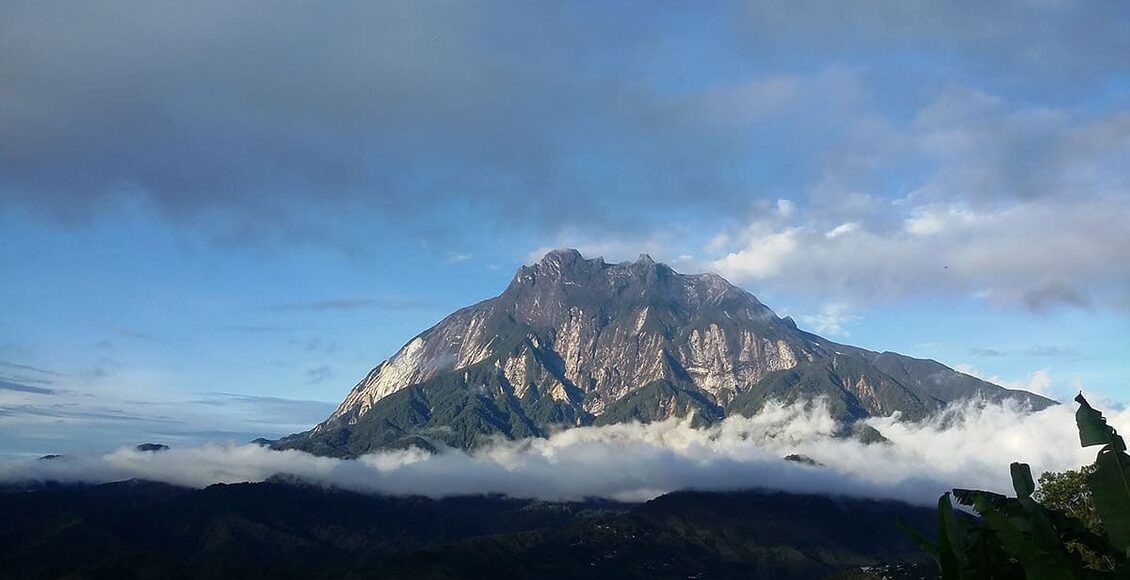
(575, 341)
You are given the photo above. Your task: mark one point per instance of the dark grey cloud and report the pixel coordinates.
(261, 118)
(8, 385)
(1050, 295)
(263, 123)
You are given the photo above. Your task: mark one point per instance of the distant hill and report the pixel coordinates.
(283, 530)
(574, 341)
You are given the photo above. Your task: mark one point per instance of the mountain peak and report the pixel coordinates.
(575, 341)
(565, 258)
(561, 256)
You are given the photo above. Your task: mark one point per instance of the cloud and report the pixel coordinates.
(764, 256)
(313, 344)
(82, 420)
(1049, 350)
(22, 388)
(34, 369)
(1038, 254)
(1041, 350)
(448, 118)
(126, 332)
(612, 249)
(1062, 46)
(1039, 382)
(842, 229)
(637, 462)
(267, 128)
(319, 375)
(832, 320)
(348, 304)
(259, 328)
(970, 194)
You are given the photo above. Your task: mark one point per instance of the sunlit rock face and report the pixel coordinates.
(574, 341)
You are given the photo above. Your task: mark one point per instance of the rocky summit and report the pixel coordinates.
(574, 341)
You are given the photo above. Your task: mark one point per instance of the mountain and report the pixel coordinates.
(574, 341)
(137, 529)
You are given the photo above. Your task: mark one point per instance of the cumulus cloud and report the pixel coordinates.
(1037, 254)
(637, 462)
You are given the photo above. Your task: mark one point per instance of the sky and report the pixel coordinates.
(216, 217)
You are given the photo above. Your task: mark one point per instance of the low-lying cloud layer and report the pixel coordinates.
(970, 446)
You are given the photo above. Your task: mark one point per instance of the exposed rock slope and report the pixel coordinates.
(575, 341)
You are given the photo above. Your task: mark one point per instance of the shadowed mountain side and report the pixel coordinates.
(573, 342)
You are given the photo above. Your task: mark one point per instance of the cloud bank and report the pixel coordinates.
(969, 446)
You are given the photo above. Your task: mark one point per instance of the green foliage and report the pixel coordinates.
(1077, 526)
(1067, 492)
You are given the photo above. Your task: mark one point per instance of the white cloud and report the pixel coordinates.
(718, 242)
(637, 462)
(832, 320)
(1039, 382)
(842, 230)
(933, 219)
(1037, 253)
(762, 257)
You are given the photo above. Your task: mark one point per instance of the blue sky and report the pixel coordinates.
(216, 217)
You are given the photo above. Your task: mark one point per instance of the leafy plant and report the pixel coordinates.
(1067, 492)
(1020, 537)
